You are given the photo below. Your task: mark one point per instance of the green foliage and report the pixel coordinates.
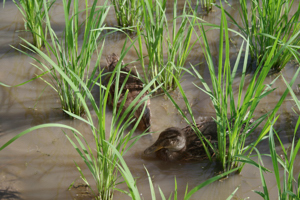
(243, 111)
(128, 12)
(267, 21)
(157, 37)
(101, 158)
(33, 12)
(135, 194)
(103, 165)
(233, 117)
(288, 188)
(272, 40)
(207, 4)
(68, 57)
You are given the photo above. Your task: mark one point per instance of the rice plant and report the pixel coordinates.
(233, 117)
(34, 14)
(288, 188)
(266, 21)
(101, 157)
(134, 190)
(128, 12)
(207, 4)
(68, 55)
(157, 37)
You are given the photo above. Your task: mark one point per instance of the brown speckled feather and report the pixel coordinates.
(194, 149)
(134, 86)
(181, 145)
(133, 82)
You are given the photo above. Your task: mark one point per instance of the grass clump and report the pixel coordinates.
(207, 4)
(161, 38)
(128, 12)
(34, 14)
(71, 59)
(233, 115)
(134, 191)
(110, 141)
(266, 21)
(288, 188)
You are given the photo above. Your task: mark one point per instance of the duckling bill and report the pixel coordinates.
(134, 86)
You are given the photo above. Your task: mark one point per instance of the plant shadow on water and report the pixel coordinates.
(7, 194)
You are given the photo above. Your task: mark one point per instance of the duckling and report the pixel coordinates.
(134, 86)
(175, 144)
(133, 82)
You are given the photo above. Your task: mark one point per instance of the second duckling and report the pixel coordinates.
(134, 86)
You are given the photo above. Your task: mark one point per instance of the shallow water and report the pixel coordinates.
(40, 165)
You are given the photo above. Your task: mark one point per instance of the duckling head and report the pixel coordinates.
(172, 139)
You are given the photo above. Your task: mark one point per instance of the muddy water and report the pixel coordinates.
(40, 165)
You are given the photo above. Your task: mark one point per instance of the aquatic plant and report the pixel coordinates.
(231, 115)
(157, 37)
(34, 14)
(207, 4)
(265, 21)
(110, 140)
(68, 55)
(128, 13)
(288, 188)
(233, 118)
(134, 191)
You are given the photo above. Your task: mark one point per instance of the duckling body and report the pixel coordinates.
(181, 145)
(175, 144)
(134, 86)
